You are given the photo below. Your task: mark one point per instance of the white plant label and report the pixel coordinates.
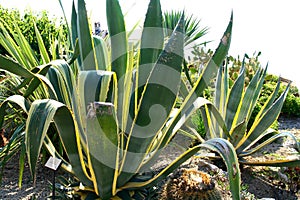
(53, 163)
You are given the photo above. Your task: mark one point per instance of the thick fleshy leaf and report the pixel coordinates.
(273, 163)
(164, 173)
(259, 86)
(208, 73)
(16, 99)
(99, 127)
(41, 114)
(54, 153)
(101, 53)
(93, 86)
(37, 80)
(150, 49)
(184, 116)
(250, 150)
(234, 98)
(225, 149)
(265, 121)
(221, 93)
(153, 110)
(34, 79)
(102, 137)
(238, 132)
(67, 24)
(21, 162)
(118, 38)
(216, 61)
(125, 96)
(248, 98)
(219, 96)
(183, 92)
(270, 100)
(187, 73)
(87, 53)
(63, 80)
(74, 26)
(15, 68)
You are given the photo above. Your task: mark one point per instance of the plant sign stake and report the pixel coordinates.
(53, 163)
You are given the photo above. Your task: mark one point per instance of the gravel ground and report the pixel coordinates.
(9, 188)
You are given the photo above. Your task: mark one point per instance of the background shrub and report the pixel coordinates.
(291, 106)
(49, 28)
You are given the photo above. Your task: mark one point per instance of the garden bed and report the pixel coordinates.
(257, 182)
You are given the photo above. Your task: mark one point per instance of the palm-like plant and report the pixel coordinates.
(113, 122)
(235, 106)
(192, 28)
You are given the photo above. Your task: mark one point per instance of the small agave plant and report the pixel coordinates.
(234, 108)
(113, 113)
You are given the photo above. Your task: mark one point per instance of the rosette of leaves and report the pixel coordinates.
(235, 106)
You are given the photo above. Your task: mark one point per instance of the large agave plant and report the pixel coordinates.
(234, 108)
(112, 113)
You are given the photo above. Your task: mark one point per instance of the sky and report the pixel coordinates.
(269, 26)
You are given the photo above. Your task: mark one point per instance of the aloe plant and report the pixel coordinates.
(114, 122)
(235, 106)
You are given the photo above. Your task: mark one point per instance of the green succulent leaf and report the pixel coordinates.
(216, 61)
(270, 100)
(238, 132)
(74, 26)
(36, 81)
(13, 67)
(40, 116)
(234, 98)
(117, 33)
(249, 97)
(225, 149)
(67, 24)
(102, 137)
(85, 41)
(150, 49)
(265, 121)
(250, 150)
(16, 99)
(63, 80)
(101, 53)
(273, 163)
(153, 110)
(208, 72)
(76, 53)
